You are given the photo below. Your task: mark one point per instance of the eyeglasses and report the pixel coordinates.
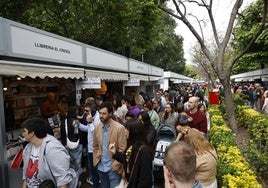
(86, 110)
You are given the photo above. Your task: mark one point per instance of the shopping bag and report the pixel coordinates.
(17, 160)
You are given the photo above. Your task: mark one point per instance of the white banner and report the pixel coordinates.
(133, 82)
(89, 83)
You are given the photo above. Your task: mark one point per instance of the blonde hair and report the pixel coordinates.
(197, 139)
(89, 99)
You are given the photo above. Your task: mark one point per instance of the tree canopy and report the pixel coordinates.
(168, 54)
(248, 23)
(221, 63)
(111, 25)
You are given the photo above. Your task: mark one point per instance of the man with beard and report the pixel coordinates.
(199, 120)
(108, 131)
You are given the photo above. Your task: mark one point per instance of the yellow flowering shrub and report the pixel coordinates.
(233, 169)
(257, 147)
(244, 180)
(217, 120)
(214, 110)
(246, 116)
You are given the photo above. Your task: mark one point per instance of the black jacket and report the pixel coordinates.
(142, 172)
(72, 137)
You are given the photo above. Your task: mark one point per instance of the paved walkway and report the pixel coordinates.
(84, 184)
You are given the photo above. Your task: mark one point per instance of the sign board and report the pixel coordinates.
(138, 67)
(133, 82)
(78, 94)
(96, 57)
(156, 71)
(89, 83)
(30, 43)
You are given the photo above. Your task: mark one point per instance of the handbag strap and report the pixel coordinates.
(66, 128)
(213, 156)
(142, 146)
(48, 162)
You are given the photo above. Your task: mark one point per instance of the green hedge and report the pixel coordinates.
(257, 147)
(233, 169)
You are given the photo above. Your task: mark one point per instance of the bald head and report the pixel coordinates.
(193, 102)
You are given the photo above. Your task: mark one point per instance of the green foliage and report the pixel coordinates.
(111, 25)
(190, 71)
(239, 99)
(258, 160)
(246, 116)
(248, 23)
(222, 107)
(233, 169)
(257, 146)
(214, 110)
(167, 55)
(220, 134)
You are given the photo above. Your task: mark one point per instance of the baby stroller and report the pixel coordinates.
(165, 135)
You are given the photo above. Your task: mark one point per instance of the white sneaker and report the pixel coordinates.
(89, 180)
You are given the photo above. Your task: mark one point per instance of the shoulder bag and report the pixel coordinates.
(124, 183)
(70, 144)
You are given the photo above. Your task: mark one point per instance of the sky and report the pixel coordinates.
(221, 11)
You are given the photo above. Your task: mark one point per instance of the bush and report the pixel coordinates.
(221, 135)
(258, 160)
(233, 169)
(257, 148)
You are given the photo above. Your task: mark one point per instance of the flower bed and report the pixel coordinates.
(233, 169)
(257, 147)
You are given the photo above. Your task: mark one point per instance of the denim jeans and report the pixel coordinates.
(93, 171)
(77, 154)
(109, 179)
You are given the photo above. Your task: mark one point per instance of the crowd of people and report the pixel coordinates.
(255, 95)
(114, 140)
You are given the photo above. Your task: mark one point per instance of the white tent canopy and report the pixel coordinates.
(21, 69)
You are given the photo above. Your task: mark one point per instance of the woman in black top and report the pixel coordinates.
(149, 128)
(138, 158)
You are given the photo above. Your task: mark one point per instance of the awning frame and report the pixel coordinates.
(105, 75)
(21, 69)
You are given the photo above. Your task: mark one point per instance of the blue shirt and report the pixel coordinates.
(105, 164)
(197, 184)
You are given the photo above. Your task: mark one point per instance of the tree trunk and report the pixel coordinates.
(230, 107)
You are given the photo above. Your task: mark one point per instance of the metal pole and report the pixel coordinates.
(4, 179)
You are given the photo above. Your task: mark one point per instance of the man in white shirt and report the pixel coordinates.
(122, 111)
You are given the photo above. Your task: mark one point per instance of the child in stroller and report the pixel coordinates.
(165, 135)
